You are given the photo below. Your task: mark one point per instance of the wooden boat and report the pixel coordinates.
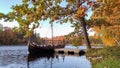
(41, 49)
(46, 47)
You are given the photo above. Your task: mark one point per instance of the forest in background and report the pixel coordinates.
(11, 36)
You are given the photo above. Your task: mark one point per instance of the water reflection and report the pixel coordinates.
(58, 61)
(17, 57)
(13, 57)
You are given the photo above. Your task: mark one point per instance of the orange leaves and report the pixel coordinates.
(96, 29)
(95, 36)
(76, 16)
(80, 10)
(80, 13)
(106, 35)
(115, 9)
(108, 41)
(110, 11)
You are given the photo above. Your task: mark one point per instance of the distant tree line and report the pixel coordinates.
(78, 40)
(11, 36)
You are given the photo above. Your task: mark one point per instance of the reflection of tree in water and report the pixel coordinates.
(63, 57)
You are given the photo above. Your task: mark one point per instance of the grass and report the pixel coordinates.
(110, 57)
(107, 63)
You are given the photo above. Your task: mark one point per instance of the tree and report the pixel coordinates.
(77, 40)
(107, 21)
(77, 29)
(31, 12)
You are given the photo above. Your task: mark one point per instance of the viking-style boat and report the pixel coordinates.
(47, 47)
(34, 48)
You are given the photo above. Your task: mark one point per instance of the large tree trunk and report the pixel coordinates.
(83, 23)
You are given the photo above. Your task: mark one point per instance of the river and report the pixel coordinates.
(18, 57)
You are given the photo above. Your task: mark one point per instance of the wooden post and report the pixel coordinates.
(52, 32)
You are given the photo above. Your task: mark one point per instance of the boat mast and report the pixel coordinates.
(52, 32)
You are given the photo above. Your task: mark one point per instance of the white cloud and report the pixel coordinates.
(9, 24)
(58, 30)
(91, 32)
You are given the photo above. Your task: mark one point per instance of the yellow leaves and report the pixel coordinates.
(24, 0)
(70, 1)
(58, 1)
(40, 8)
(107, 37)
(22, 12)
(80, 13)
(28, 33)
(29, 16)
(109, 41)
(110, 10)
(95, 36)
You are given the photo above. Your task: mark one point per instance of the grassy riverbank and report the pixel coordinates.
(107, 57)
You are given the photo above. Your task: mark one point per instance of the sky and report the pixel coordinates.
(5, 7)
(43, 30)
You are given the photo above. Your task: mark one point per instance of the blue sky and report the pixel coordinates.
(44, 31)
(6, 4)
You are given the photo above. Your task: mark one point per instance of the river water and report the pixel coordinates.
(18, 57)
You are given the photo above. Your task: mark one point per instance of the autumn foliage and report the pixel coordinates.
(106, 21)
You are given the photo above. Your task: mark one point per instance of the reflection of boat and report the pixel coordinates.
(39, 56)
(46, 59)
(48, 46)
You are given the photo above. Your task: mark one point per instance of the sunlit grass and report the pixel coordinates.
(108, 57)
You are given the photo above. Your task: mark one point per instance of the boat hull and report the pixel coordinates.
(39, 50)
